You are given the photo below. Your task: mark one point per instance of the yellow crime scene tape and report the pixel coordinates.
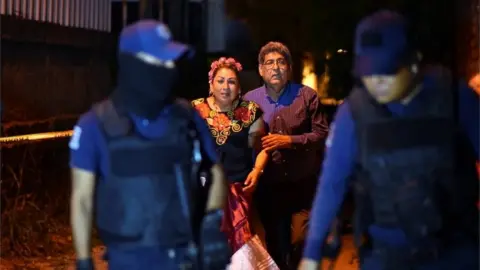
(35, 137)
(27, 138)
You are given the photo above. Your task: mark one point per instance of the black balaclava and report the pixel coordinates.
(143, 89)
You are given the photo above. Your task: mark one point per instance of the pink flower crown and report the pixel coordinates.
(222, 61)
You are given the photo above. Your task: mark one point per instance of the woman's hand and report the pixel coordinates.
(252, 180)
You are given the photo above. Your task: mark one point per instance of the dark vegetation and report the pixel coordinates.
(50, 75)
(34, 199)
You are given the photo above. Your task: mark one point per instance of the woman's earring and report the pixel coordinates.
(210, 89)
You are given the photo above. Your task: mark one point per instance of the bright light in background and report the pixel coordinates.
(475, 83)
(309, 78)
(341, 51)
(324, 79)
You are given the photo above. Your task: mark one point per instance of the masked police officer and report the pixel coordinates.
(139, 144)
(413, 161)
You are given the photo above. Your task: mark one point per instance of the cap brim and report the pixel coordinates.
(172, 51)
(377, 64)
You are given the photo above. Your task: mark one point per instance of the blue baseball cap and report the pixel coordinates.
(150, 37)
(381, 44)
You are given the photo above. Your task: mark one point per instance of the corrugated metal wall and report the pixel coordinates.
(89, 14)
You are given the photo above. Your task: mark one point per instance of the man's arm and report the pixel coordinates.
(255, 133)
(337, 167)
(217, 196)
(315, 138)
(83, 163)
(81, 211)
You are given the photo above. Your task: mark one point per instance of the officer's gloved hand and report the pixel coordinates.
(85, 264)
(332, 247)
(333, 244)
(215, 249)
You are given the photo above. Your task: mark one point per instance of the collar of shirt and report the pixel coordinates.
(286, 98)
(151, 128)
(415, 104)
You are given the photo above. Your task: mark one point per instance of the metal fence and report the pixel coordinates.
(88, 14)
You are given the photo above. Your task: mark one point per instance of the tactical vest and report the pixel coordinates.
(408, 174)
(138, 202)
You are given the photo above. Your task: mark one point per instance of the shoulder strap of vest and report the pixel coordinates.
(356, 101)
(363, 107)
(112, 122)
(446, 88)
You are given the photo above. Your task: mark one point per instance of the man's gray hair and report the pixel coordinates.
(277, 47)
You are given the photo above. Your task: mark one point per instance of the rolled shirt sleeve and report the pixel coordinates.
(84, 150)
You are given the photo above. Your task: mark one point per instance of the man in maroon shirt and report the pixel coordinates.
(297, 131)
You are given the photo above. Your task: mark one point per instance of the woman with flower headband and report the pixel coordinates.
(236, 126)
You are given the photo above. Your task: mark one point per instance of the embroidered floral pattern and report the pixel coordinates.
(221, 125)
(203, 109)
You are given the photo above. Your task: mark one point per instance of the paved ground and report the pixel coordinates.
(344, 262)
(64, 262)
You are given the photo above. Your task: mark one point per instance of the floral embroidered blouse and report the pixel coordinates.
(230, 131)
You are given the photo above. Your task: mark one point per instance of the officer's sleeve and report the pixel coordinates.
(468, 112)
(84, 151)
(337, 169)
(206, 140)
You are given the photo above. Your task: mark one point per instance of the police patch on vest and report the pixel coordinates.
(74, 143)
